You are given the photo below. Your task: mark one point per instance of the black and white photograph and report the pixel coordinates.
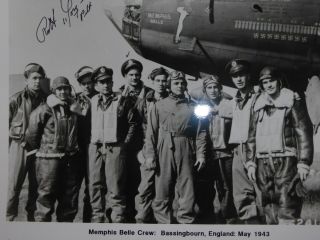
(162, 119)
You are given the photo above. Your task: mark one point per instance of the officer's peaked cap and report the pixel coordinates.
(131, 64)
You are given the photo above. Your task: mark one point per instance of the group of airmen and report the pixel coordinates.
(146, 157)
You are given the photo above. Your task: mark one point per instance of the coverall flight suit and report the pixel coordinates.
(146, 190)
(173, 140)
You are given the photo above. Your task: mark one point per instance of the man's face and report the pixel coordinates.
(178, 86)
(63, 93)
(241, 80)
(213, 91)
(104, 86)
(160, 83)
(33, 81)
(271, 86)
(133, 77)
(87, 87)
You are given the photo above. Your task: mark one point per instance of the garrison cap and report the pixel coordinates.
(269, 72)
(158, 71)
(84, 74)
(131, 64)
(102, 73)
(237, 66)
(33, 67)
(60, 82)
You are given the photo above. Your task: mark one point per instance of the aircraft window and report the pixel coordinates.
(131, 22)
(133, 12)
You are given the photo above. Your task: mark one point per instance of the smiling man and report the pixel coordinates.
(20, 107)
(280, 147)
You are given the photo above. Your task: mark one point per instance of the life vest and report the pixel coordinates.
(270, 126)
(104, 123)
(240, 123)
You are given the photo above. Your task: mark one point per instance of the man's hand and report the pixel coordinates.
(303, 173)
(252, 173)
(200, 163)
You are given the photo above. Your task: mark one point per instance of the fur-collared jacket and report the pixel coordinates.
(53, 128)
(280, 128)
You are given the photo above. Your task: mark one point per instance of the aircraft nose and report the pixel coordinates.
(114, 10)
(125, 16)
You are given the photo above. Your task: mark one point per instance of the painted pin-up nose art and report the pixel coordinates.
(183, 13)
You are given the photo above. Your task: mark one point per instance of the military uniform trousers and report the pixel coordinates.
(274, 176)
(176, 160)
(246, 195)
(217, 172)
(224, 186)
(107, 168)
(145, 196)
(19, 166)
(59, 180)
(84, 158)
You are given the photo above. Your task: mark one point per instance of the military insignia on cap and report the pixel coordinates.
(102, 70)
(233, 63)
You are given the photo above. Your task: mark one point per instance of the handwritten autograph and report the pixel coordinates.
(70, 10)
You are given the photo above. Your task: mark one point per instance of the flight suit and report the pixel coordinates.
(20, 107)
(173, 140)
(246, 195)
(114, 123)
(146, 189)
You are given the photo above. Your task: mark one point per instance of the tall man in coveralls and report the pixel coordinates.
(143, 200)
(84, 78)
(113, 125)
(176, 144)
(21, 105)
(245, 194)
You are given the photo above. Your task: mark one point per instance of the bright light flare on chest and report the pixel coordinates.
(202, 111)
